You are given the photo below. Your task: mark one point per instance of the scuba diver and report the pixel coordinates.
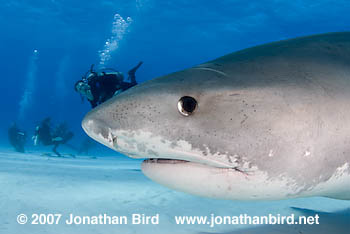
(45, 135)
(61, 135)
(99, 86)
(17, 138)
(86, 145)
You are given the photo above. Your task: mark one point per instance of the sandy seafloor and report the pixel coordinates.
(33, 183)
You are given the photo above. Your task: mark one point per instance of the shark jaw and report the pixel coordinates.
(214, 182)
(179, 166)
(143, 144)
(227, 183)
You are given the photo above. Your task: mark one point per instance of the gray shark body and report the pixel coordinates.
(270, 122)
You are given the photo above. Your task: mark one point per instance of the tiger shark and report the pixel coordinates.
(265, 123)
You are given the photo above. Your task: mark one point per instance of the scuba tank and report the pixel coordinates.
(101, 72)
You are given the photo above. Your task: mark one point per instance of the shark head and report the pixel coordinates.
(166, 118)
(176, 123)
(247, 126)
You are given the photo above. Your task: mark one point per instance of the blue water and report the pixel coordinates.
(46, 46)
(167, 35)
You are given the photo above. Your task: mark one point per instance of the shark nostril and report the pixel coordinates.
(112, 139)
(110, 136)
(115, 142)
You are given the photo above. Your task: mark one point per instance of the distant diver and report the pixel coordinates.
(44, 134)
(99, 86)
(86, 145)
(17, 138)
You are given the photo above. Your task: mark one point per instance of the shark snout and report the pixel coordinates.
(98, 129)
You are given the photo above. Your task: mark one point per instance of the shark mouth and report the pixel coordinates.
(167, 161)
(155, 149)
(164, 153)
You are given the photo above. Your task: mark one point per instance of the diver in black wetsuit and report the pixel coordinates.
(60, 136)
(17, 138)
(98, 87)
(43, 133)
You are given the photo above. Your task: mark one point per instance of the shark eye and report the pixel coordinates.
(187, 105)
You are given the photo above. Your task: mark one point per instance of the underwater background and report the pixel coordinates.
(69, 36)
(46, 46)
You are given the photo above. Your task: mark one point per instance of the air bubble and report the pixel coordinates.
(119, 29)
